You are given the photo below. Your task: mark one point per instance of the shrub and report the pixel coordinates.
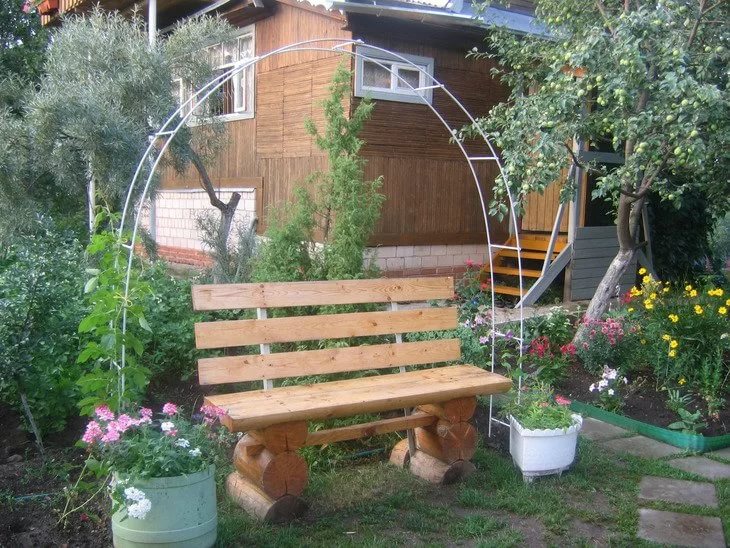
(613, 341)
(557, 326)
(686, 334)
(170, 344)
(41, 283)
(549, 361)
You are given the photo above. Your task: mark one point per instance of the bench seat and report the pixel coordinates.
(261, 408)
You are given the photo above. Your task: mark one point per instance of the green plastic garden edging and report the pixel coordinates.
(691, 442)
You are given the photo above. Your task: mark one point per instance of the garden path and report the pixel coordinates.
(681, 524)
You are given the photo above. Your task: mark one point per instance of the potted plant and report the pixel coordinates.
(543, 432)
(162, 474)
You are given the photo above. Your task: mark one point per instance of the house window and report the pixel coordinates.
(235, 98)
(383, 76)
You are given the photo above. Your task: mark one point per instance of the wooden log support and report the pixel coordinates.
(288, 436)
(400, 455)
(437, 471)
(448, 441)
(257, 503)
(276, 474)
(458, 410)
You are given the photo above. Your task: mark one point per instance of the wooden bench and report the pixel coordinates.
(437, 402)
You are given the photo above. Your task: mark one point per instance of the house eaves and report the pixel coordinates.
(454, 12)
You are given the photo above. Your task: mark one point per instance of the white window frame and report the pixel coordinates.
(241, 95)
(395, 93)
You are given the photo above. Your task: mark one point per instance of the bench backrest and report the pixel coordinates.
(265, 331)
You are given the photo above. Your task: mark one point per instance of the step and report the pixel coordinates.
(508, 290)
(510, 271)
(540, 245)
(532, 255)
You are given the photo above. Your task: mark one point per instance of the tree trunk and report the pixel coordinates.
(627, 224)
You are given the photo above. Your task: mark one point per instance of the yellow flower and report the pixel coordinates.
(674, 318)
(719, 292)
(722, 310)
(635, 292)
(693, 293)
(642, 271)
(699, 309)
(666, 337)
(688, 288)
(646, 279)
(665, 290)
(682, 381)
(643, 341)
(672, 353)
(648, 304)
(727, 303)
(673, 344)
(652, 296)
(631, 309)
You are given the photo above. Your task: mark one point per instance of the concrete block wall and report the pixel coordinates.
(176, 213)
(425, 260)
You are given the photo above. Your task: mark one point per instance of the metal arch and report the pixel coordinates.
(152, 157)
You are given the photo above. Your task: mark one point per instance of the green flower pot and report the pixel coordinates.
(183, 514)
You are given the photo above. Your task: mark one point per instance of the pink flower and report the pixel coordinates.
(145, 412)
(560, 400)
(169, 409)
(483, 340)
(93, 432)
(104, 413)
(123, 423)
(469, 263)
(212, 411)
(568, 349)
(27, 6)
(112, 435)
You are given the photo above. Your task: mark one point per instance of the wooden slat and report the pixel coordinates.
(331, 360)
(507, 290)
(274, 295)
(510, 271)
(540, 245)
(534, 255)
(368, 429)
(259, 408)
(224, 334)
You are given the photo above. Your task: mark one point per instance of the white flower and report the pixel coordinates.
(626, 381)
(195, 452)
(139, 509)
(603, 383)
(610, 374)
(592, 388)
(182, 442)
(611, 392)
(167, 426)
(132, 493)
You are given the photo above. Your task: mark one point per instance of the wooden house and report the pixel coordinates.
(431, 220)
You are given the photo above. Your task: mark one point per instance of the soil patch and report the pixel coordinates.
(643, 403)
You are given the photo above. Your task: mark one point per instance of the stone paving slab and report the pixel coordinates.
(641, 446)
(722, 453)
(596, 430)
(678, 491)
(680, 529)
(702, 466)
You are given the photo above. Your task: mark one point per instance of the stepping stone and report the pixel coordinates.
(702, 466)
(641, 446)
(722, 453)
(680, 529)
(678, 491)
(596, 430)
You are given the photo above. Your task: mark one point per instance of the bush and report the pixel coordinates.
(41, 304)
(170, 344)
(685, 330)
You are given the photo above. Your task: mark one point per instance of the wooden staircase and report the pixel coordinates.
(504, 264)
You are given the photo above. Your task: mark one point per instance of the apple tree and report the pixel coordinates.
(647, 76)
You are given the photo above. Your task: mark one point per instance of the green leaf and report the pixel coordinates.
(91, 285)
(143, 324)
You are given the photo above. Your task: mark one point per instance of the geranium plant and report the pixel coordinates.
(129, 447)
(536, 408)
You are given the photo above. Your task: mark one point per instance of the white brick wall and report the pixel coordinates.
(177, 212)
(425, 256)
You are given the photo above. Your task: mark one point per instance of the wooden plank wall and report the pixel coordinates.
(593, 250)
(430, 193)
(540, 210)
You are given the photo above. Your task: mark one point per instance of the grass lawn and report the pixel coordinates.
(377, 504)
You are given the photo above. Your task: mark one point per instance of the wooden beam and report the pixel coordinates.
(289, 294)
(227, 369)
(231, 333)
(364, 430)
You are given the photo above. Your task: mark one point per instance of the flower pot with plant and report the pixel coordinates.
(543, 432)
(161, 473)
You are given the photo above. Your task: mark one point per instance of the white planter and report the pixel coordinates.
(543, 452)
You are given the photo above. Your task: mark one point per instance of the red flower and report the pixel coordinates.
(469, 263)
(626, 297)
(568, 349)
(560, 400)
(484, 286)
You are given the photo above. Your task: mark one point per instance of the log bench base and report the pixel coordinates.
(257, 503)
(430, 468)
